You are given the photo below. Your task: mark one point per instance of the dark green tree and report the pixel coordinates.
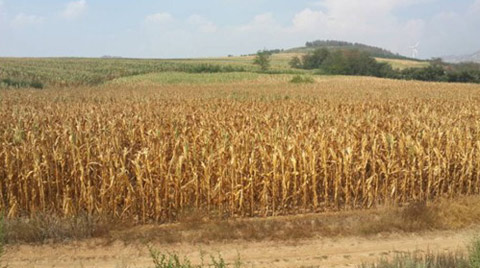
(295, 62)
(354, 62)
(263, 59)
(315, 59)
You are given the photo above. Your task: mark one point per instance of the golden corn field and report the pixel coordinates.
(146, 151)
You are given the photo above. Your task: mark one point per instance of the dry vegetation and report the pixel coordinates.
(247, 148)
(404, 64)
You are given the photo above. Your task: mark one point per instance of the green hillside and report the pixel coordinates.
(342, 45)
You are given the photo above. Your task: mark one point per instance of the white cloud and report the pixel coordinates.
(159, 18)
(2, 11)
(374, 22)
(453, 33)
(75, 9)
(476, 7)
(367, 21)
(202, 24)
(22, 20)
(261, 22)
(309, 20)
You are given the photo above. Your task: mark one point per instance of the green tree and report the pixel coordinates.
(263, 59)
(315, 59)
(295, 62)
(354, 62)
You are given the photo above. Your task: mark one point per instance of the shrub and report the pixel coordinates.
(430, 73)
(302, 79)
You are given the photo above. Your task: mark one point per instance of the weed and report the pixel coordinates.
(173, 260)
(430, 260)
(474, 253)
(2, 240)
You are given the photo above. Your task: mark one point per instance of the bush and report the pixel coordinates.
(302, 79)
(430, 73)
(443, 72)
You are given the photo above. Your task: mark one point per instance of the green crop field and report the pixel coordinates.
(68, 72)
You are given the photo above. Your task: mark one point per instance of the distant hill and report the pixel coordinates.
(342, 45)
(475, 57)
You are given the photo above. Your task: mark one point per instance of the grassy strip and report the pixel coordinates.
(403, 260)
(7, 82)
(429, 260)
(200, 226)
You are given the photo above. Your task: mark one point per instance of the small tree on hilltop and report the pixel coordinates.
(262, 59)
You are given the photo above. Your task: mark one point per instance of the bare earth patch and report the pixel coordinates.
(317, 252)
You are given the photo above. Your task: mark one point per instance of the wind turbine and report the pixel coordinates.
(415, 50)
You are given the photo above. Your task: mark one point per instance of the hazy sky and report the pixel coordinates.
(193, 28)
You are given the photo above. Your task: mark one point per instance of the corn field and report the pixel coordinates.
(247, 149)
(54, 72)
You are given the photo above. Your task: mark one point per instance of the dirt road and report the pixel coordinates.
(317, 252)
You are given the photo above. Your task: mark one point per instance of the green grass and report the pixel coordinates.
(2, 239)
(68, 72)
(474, 253)
(9, 83)
(188, 78)
(429, 260)
(401, 260)
(173, 260)
(280, 62)
(72, 72)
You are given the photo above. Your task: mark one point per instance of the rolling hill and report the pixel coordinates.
(342, 45)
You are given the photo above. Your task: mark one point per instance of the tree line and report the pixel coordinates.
(354, 62)
(342, 45)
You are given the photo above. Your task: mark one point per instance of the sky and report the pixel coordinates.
(193, 28)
